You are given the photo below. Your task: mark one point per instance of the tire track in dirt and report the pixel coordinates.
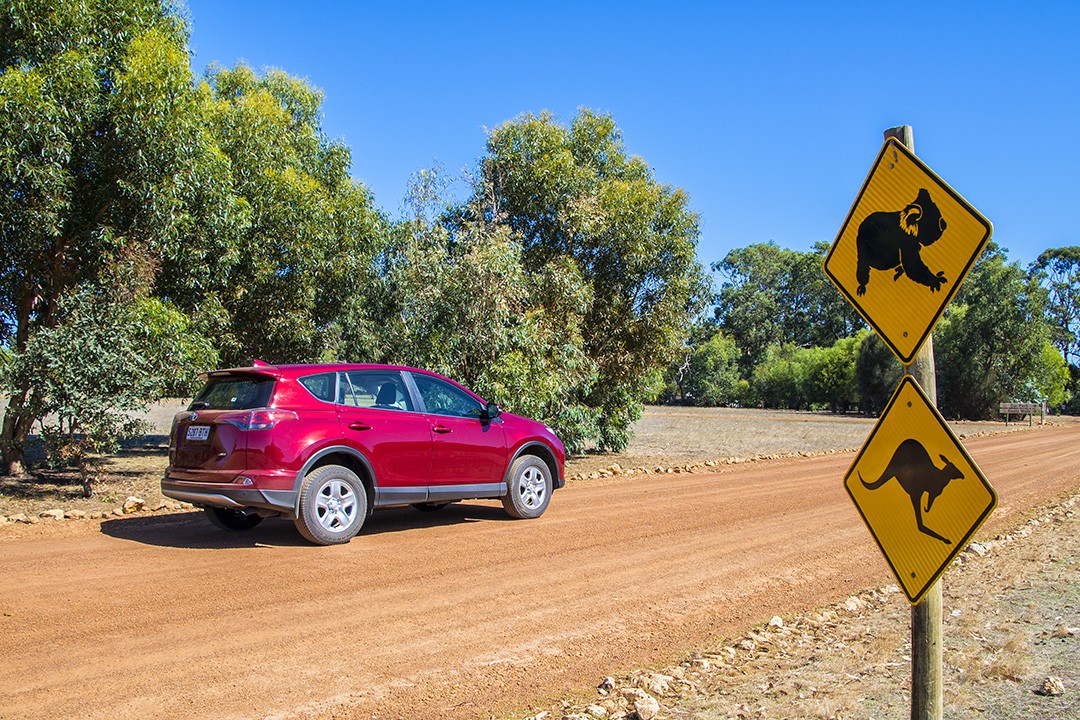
(455, 614)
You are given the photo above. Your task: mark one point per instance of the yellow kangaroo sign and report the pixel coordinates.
(917, 489)
(905, 247)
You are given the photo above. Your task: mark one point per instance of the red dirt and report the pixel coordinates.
(457, 614)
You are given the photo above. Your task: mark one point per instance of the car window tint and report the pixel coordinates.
(374, 388)
(234, 393)
(321, 385)
(442, 398)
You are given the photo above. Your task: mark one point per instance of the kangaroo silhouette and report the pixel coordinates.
(918, 475)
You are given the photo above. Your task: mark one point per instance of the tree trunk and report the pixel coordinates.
(13, 435)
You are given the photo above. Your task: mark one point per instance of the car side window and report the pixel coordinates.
(321, 385)
(373, 389)
(442, 398)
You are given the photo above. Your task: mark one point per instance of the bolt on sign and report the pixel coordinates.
(905, 247)
(917, 489)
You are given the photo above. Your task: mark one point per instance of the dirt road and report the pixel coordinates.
(451, 615)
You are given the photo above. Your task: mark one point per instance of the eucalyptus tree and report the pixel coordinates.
(1058, 270)
(453, 294)
(775, 296)
(284, 237)
(991, 345)
(575, 195)
(98, 131)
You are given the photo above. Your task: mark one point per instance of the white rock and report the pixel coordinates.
(647, 708)
(134, 504)
(658, 684)
(776, 622)
(52, 514)
(1051, 686)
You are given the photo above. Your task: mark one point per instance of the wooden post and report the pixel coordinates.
(926, 695)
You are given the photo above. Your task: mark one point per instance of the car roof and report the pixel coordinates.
(292, 370)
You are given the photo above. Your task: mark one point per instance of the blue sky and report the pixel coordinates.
(768, 114)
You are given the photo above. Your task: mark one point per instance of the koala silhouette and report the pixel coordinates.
(893, 241)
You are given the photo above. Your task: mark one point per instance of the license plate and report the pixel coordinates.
(198, 432)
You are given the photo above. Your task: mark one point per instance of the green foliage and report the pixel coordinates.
(573, 194)
(773, 296)
(877, 374)
(712, 375)
(989, 346)
(1058, 270)
(807, 378)
(97, 125)
(89, 374)
(778, 380)
(172, 346)
(462, 303)
(829, 375)
(293, 237)
(1072, 404)
(1052, 377)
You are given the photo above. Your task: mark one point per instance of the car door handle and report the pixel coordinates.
(441, 429)
(359, 426)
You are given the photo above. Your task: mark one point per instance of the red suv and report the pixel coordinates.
(325, 445)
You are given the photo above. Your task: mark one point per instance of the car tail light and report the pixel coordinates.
(258, 419)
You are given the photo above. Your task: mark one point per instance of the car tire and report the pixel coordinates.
(333, 505)
(232, 520)
(528, 489)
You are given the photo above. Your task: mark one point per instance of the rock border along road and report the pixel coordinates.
(455, 614)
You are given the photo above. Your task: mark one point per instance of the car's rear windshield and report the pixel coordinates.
(236, 392)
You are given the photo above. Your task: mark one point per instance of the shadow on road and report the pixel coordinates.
(192, 531)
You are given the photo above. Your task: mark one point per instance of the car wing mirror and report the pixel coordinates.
(492, 411)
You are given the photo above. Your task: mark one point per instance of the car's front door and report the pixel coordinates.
(466, 451)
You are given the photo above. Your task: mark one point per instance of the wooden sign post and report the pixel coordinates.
(926, 689)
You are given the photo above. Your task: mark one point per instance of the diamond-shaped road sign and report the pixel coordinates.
(905, 247)
(919, 492)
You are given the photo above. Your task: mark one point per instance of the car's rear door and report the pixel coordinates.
(378, 419)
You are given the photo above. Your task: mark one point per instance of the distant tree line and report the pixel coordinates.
(781, 336)
(154, 226)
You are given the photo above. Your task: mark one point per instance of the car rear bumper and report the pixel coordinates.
(229, 495)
